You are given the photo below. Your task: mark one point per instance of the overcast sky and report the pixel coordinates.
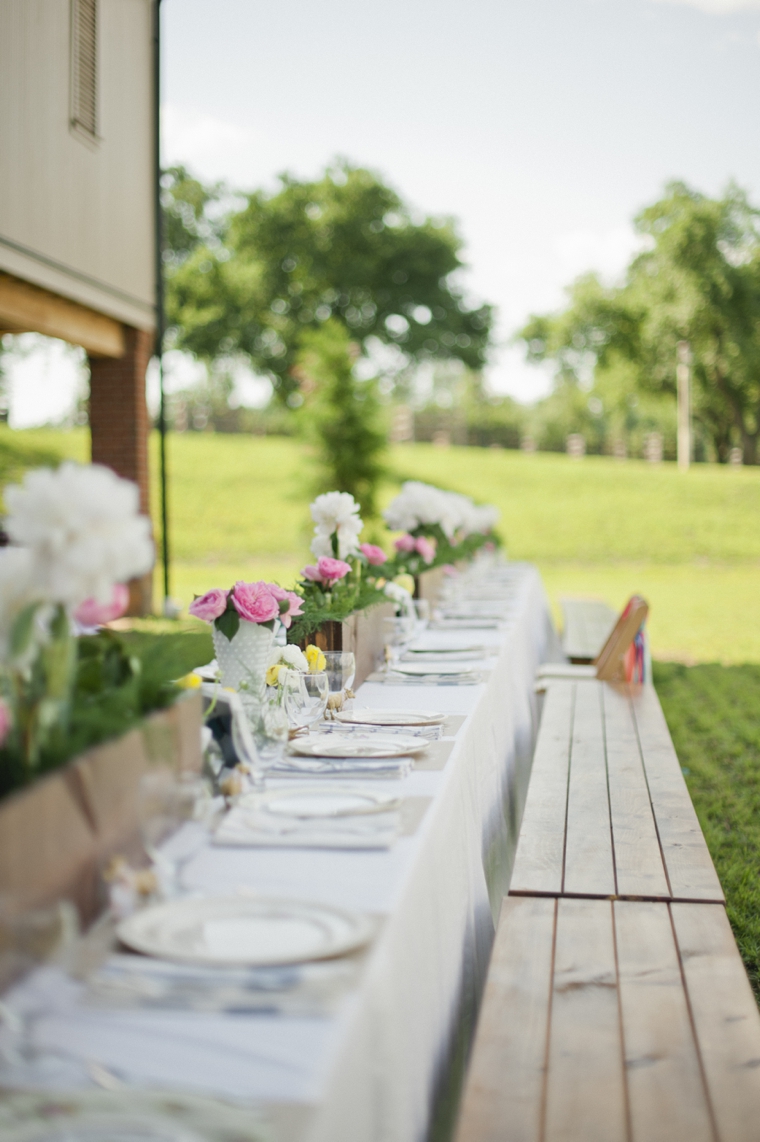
(543, 126)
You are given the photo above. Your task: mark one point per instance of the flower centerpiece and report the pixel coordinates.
(345, 576)
(76, 535)
(243, 621)
(439, 527)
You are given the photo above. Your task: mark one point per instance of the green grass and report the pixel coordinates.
(690, 542)
(714, 716)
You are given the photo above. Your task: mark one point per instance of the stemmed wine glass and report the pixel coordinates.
(175, 812)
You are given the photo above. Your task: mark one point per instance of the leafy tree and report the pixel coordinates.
(697, 280)
(343, 247)
(341, 413)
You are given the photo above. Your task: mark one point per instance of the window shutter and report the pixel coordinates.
(84, 65)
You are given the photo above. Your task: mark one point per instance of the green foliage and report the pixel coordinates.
(714, 717)
(354, 593)
(344, 246)
(119, 679)
(341, 414)
(697, 280)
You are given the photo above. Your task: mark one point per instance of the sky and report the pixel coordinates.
(542, 126)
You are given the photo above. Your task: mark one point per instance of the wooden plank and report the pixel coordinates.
(725, 1016)
(504, 1087)
(541, 843)
(27, 307)
(585, 1096)
(589, 867)
(666, 1094)
(690, 869)
(638, 860)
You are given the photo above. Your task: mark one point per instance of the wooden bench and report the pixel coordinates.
(616, 1006)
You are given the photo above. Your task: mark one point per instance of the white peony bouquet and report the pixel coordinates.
(76, 535)
(337, 525)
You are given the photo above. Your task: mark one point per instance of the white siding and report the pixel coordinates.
(76, 217)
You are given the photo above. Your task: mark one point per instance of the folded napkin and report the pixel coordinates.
(128, 981)
(393, 767)
(429, 733)
(259, 829)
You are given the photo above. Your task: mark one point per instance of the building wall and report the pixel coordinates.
(76, 216)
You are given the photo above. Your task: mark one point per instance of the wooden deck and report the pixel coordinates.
(617, 1008)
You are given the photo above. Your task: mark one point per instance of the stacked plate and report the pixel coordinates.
(313, 816)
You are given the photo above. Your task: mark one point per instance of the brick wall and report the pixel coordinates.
(119, 428)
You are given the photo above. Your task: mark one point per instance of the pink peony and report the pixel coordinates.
(91, 613)
(327, 571)
(294, 601)
(255, 602)
(375, 556)
(404, 543)
(209, 606)
(5, 721)
(426, 548)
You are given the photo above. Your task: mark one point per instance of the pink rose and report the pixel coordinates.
(375, 556)
(426, 548)
(450, 570)
(327, 571)
(91, 613)
(5, 721)
(209, 606)
(404, 543)
(255, 602)
(294, 601)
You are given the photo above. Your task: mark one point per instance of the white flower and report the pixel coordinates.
(290, 656)
(83, 528)
(419, 503)
(336, 512)
(399, 595)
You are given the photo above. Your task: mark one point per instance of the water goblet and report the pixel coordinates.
(304, 697)
(340, 668)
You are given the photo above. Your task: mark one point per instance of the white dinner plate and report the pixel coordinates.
(424, 668)
(436, 651)
(317, 801)
(241, 932)
(390, 717)
(354, 745)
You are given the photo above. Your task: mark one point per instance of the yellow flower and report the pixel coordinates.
(189, 682)
(315, 659)
(273, 674)
(405, 581)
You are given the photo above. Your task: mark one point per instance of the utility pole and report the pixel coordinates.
(683, 378)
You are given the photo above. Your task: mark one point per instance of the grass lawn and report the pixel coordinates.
(689, 542)
(714, 717)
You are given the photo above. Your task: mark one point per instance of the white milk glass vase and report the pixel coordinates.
(244, 658)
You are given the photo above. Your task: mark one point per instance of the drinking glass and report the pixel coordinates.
(174, 811)
(304, 697)
(398, 633)
(340, 669)
(31, 939)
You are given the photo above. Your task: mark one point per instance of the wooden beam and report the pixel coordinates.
(29, 309)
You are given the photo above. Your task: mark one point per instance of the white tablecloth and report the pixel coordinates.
(382, 1067)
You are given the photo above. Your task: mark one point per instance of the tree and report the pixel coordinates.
(341, 413)
(697, 280)
(344, 247)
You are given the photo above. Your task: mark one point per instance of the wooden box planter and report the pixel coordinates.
(363, 633)
(428, 585)
(56, 834)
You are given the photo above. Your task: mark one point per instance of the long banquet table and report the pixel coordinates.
(386, 1062)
